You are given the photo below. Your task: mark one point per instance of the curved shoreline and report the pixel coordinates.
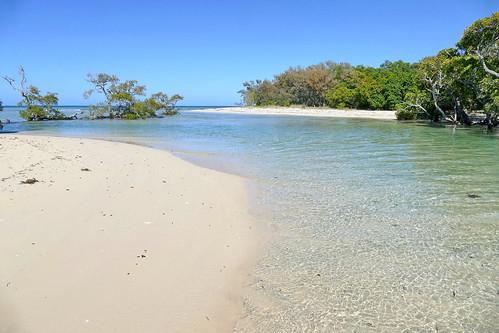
(144, 241)
(305, 112)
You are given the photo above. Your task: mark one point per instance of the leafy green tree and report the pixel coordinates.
(38, 106)
(398, 78)
(164, 104)
(262, 93)
(481, 39)
(123, 99)
(103, 84)
(342, 96)
(370, 88)
(125, 96)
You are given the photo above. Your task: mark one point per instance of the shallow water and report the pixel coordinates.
(379, 226)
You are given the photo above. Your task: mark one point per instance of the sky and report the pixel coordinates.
(205, 49)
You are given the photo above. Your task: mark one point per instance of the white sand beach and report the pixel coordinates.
(298, 111)
(112, 237)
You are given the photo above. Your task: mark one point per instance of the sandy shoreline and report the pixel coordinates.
(312, 112)
(142, 241)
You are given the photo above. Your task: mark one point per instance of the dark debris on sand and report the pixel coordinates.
(30, 181)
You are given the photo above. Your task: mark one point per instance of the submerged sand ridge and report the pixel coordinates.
(111, 237)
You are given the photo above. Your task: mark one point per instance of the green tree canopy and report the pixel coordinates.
(123, 99)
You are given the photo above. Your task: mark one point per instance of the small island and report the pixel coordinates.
(458, 85)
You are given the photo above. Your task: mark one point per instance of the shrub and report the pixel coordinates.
(406, 114)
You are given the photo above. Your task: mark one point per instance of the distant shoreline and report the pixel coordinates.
(297, 111)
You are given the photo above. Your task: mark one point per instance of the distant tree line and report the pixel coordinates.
(122, 99)
(335, 85)
(458, 85)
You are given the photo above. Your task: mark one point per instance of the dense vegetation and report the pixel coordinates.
(121, 100)
(458, 85)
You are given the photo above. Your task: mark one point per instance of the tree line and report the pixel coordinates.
(458, 85)
(122, 99)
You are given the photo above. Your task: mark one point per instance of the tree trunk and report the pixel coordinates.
(435, 102)
(110, 111)
(461, 114)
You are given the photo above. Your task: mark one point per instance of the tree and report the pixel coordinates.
(341, 96)
(125, 96)
(102, 84)
(161, 102)
(293, 83)
(319, 80)
(37, 105)
(481, 39)
(122, 99)
(262, 93)
(433, 75)
(398, 78)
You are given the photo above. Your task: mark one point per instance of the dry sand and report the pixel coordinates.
(142, 242)
(297, 111)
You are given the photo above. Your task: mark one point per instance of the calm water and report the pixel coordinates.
(379, 226)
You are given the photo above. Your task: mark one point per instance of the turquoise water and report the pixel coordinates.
(378, 226)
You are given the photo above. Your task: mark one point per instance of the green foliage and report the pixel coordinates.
(480, 41)
(335, 85)
(37, 105)
(263, 93)
(489, 93)
(36, 113)
(406, 114)
(161, 102)
(341, 96)
(122, 99)
(482, 37)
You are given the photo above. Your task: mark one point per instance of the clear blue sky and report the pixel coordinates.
(205, 49)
